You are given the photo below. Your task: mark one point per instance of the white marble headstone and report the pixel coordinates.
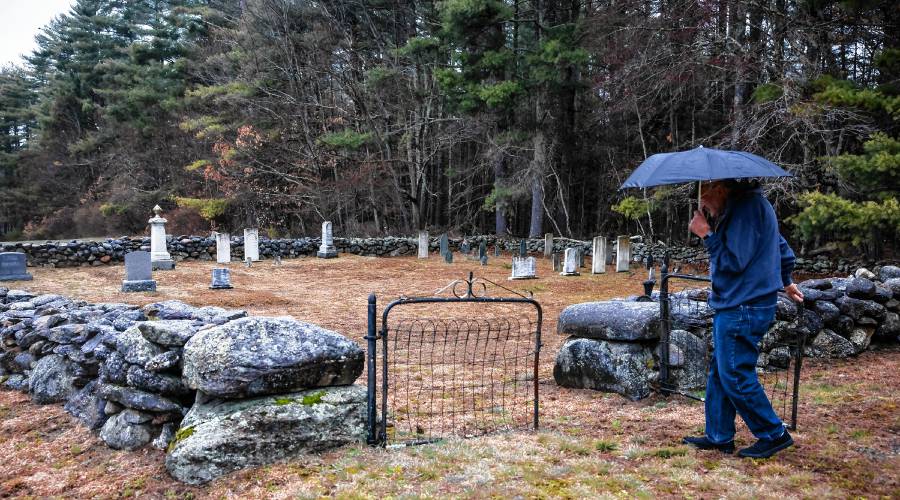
(598, 260)
(623, 253)
(223, 248)
(524, 268)
(251, 244)
(159, 254)
(570, 265)
(327, 249)
(548, 245)
(423, 244)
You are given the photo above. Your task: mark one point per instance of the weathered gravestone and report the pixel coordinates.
(251, 244)
(482, 251)
(138, 273)
(464, 247)
(570, 266)
(448, 257)
(580, 257)
(445, 244)
(423, 244)
(223, 248)
(548, 244)
(523, 249)
(159, 255)
(623, 254)
(221, 279)
(12, 267)
(598, 260)
(524, 268)
(327, 249)
(496, 250)
(557, 265)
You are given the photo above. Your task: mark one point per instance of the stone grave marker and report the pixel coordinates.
(570, 266)
(251, 244)
(523, 249)
(598, 261)
(448, 257)
(484, 260)
(623, 253)
(248, 262)
(223, 248)
(445, 244)
(580, 257)
(464, 247)
(138, 273)
(159, 254)
(327, 249)
(278, 260)
(423, 244)
(496, 250)
(557, 266)
(524, 268)
(221, 279)
(482, 250)
(13, 267)
(548, 245)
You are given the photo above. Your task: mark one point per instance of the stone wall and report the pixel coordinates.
(176, 376)
(96, 253)
(613, 346)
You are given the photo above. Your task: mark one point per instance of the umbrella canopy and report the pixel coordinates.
(700, 164)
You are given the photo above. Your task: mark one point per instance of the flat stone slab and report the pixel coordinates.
(625, 368)
(255, 356)
(611, 320)
(219, 437)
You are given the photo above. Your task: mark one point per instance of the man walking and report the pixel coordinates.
(749, 262)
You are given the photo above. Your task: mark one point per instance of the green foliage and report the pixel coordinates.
(379, 75)
(876, 171)
(843, 93)
(499, 94)
(112, 209)
(197, 165)
(180, 435)
(767, 92)
(633, 208)
(209, 209)
(499, 196)
(419, 46)
(844, 219)
(346, 139)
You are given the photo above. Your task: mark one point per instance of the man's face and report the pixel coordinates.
(713, 196)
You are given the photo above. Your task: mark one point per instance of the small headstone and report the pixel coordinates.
(448, 257)
(557, 266)
(570, 266)
(13, 267)
(580, 257)
(482, 250)
(524, 268)
(251, 244)
(445, 244)
(278, 260)
(548, 244)
(464, 247)
(223, 248)
(484, 260)
(423, 244)
(327, 249)
(623, 253)
(248, 262)
(523, 249)
(159, 255)
(496, 250)
(138, 273)
(221, 279)
(598, 260)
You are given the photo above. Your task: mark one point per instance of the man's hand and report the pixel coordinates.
(698, 225)
(793, 292)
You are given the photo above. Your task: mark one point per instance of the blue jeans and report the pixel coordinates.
(733, 385)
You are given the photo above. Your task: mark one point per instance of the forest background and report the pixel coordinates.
(513, 117)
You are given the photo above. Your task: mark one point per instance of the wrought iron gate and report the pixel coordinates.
(780, 378)
(462, 365)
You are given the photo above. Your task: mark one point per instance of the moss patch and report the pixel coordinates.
(313, 399)
(180, 435)
(284, 401)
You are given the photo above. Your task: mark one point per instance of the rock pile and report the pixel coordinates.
(217, 389)
(614, 345)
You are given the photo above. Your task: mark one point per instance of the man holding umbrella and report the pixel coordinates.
(749, 263)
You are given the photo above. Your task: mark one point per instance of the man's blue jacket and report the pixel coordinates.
(749, 260)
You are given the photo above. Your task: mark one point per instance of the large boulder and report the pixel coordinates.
(218, 437)
(691, 370)
(136, 349)
(51, 380)
(856, 308)
(172, 332)
(889, 272)
(86, 405)
(611, 320)
(257, 356)
(127, 430)
(828, 344)
(889, 328)
(625, 368)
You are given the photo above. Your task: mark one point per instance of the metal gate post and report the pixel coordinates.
(371, 347)
(798, 363)
(664, 325)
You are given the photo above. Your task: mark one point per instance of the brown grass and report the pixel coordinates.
(591, 444)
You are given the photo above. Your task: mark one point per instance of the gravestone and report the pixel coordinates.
(557, 266)
(523, 249)
(496, 250)
(598, 261)
(580, 257)
(482, 250)
(251, 244)
(484, 260)
(278, 260)
(623, 254)
(548, 244)
(448, 257)
(423, 244)
(159, 255)
(464, 247)
(138, 273)
(524, 268)
(13, 267)
(223, 248)
(570, 266)
(248, 262)
(221, 279)
(445, 244)
(327, 249)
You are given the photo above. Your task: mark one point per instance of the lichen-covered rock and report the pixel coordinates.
(169, 309)
(889, 328)
(114, 369)
(817, 284)
(130, 397)
(828, 344)
(828, 311)
(135, 348)
(163, 362)
(173, 332)
(218, 437)
(856, 308)
(893, 284)
(87, 406)
(785, 309)
(127, 430)
(51, 380)
(861, 338)
(861, 288)
(256, 356)
(625, 368)
(612, 320)
(159, 383)
(691, 372)
(889, 272)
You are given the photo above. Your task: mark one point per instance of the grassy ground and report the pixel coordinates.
(590, 444)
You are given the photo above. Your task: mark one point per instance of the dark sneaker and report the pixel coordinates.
(765, 448)
(703, 443)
